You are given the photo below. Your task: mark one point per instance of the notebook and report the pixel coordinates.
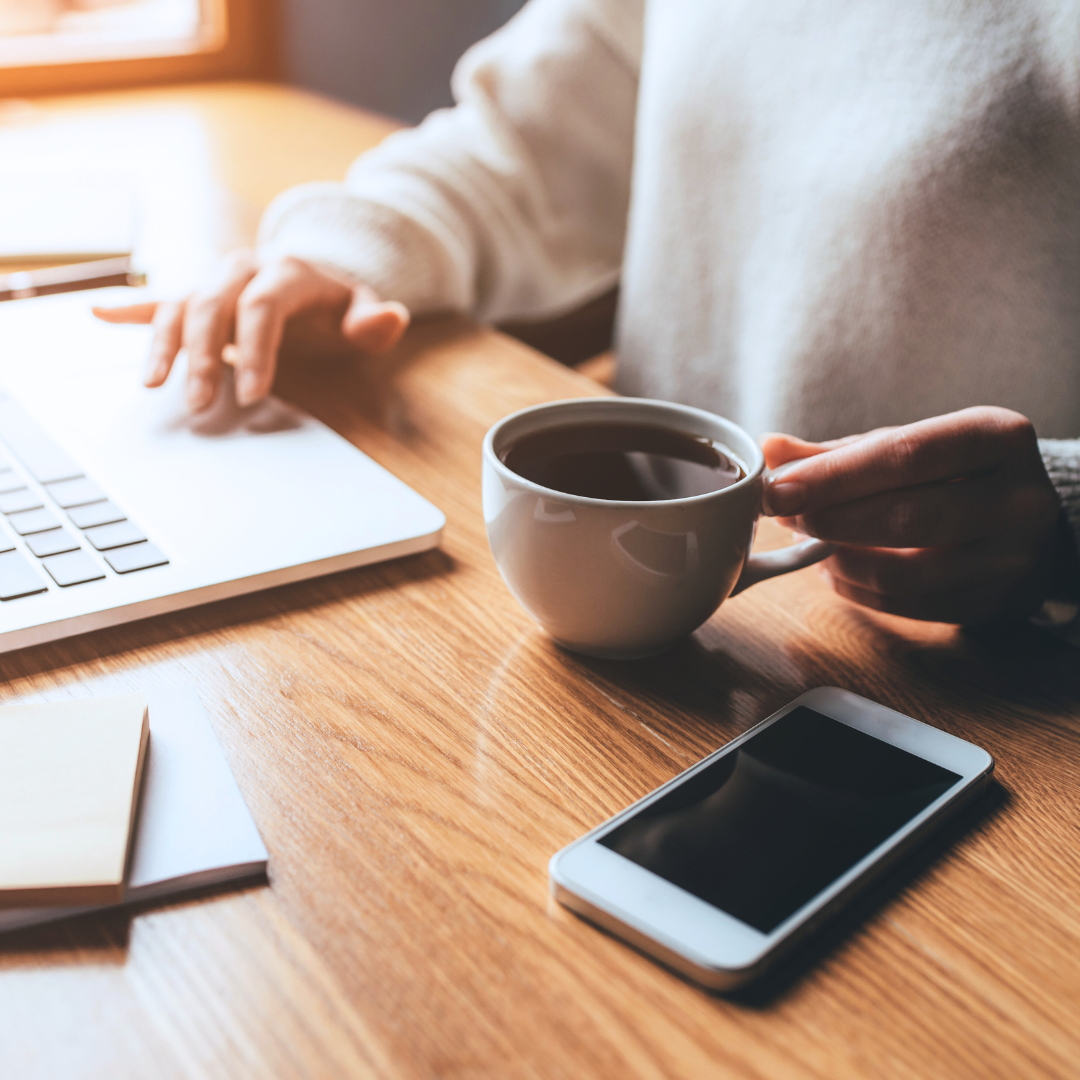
(193, 828)
(69, 781)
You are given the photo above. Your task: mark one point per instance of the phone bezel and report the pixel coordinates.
(703, 940)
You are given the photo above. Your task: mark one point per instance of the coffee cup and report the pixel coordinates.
(624, 578)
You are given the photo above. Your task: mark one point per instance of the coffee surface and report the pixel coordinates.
(625, 462)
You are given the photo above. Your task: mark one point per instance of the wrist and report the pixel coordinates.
(1061, 602)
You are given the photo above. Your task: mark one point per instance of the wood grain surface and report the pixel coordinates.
(414, 749)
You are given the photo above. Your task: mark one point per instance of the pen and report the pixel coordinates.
(58, 279)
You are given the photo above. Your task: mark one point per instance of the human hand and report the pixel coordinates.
(951, 519)
(243, 316)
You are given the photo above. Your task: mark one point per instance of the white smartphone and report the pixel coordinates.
(723, 870)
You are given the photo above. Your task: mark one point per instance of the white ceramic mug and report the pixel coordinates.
(627, 579)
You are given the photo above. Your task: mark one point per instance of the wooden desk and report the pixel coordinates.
(414, 750)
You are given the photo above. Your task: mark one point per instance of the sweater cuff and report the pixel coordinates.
(372, 242)
(1062, 460)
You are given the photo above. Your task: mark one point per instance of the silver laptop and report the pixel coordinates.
(116, 504)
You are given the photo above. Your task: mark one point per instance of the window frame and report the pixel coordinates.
(247, 48)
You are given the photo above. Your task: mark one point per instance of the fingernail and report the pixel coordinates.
(775, 474)
(200, 394)
(784, 499)
(152, 371)
(248, 390)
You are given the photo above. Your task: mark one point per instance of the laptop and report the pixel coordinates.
(117, 504)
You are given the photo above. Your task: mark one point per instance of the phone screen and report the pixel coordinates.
(762, 830)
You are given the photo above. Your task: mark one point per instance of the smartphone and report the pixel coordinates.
(726, 868)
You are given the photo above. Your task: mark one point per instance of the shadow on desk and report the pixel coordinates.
(771, 989)
(995, 669)
(103, 937)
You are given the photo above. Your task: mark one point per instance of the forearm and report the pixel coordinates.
(377, 244)
(513, 203)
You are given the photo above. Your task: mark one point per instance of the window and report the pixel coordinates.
(59, 31)
(56, 45)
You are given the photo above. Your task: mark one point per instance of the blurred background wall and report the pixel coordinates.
(394, 56)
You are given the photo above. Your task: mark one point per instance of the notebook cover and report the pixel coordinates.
(193, 828)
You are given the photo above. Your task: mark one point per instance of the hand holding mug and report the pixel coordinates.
(951, 519)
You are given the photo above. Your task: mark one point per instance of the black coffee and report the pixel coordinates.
(623, 461)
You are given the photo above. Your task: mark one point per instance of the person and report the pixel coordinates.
(856, 222)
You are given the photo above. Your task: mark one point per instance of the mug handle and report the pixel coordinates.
(767, 564)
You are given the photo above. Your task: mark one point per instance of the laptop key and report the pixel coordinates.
(99, 513)
(119, 534)
(74, 568)
(52, 542)
(6, 543)
(136, 557)
(17, 578)
(10, 481)
(15, 502)
(44, 458)
(69, 493)
(33, 521)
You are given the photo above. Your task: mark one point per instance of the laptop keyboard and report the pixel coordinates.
(61, 521)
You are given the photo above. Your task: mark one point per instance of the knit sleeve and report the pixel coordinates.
(1062, 460)
(511, 204)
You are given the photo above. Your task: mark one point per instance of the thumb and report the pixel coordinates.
(372, 324)
(781, 449)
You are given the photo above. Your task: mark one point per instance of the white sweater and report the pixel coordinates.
(825, 215)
